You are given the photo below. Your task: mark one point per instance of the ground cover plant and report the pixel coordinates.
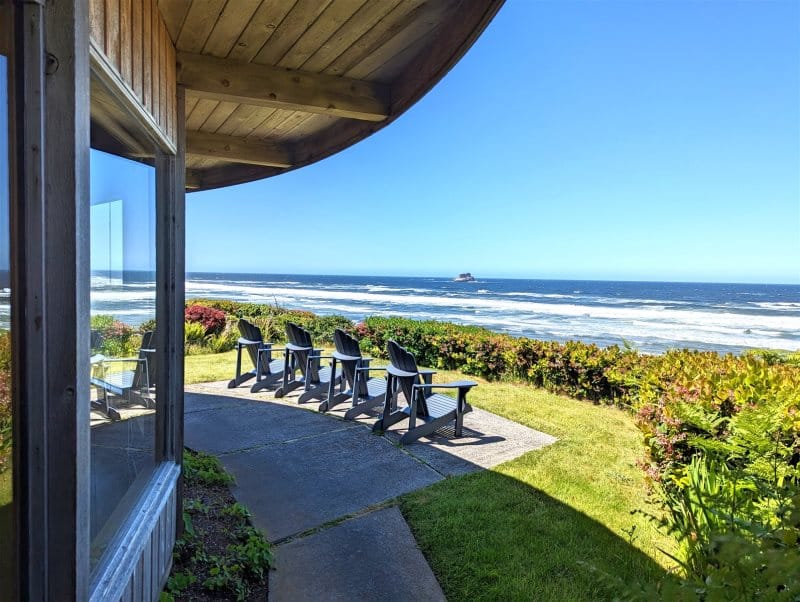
(554, 508)
(720, 454)
(220, 555)
(720, 433)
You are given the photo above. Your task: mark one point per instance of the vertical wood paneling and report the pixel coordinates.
(136, 47)
(125, 50)
(154, 58)
(147, 79)
(112, 33)
(97, 26)
(134, 39)
(162, 68)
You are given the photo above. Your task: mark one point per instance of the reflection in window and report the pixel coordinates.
(122, 336)
(6, 499)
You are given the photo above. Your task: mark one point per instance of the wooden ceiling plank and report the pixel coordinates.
(294, 25)
(261, 85)
(261, 27)
(256, 128)
(402, 16)
(455, 38)
(224, 175)
(191, 103)
(427, 21)
(327, 24)
(388, 70)
(258, 116)
(174, 13)
(267, 127)
(311, 125)
(218, 117)
(238, 150)
(241, 114)
(360, 23)
(197, 26)
(202, 109)
(230, 25)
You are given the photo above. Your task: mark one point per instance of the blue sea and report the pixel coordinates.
(652, 316)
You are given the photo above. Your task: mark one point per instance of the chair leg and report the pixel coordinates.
(425, 429)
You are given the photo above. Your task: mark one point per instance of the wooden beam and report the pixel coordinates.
(268, 86)
(237, 150)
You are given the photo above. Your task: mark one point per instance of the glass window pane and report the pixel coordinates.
(122, 370)
(6, 497)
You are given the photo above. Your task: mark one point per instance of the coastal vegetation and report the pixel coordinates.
(719, 443)
(219, 555)
(675, 475)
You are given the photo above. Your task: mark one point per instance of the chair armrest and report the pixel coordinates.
(428, 371)
(244, 341)
(271, 349)
(458, 384)
(320, 357)
(124, 359)
(290, 347)
(371, 368)
(395, 371)
(342, 357)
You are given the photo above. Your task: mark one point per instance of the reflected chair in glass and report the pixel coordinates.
(135, 385)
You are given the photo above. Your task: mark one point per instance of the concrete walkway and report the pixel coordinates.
(318, 486)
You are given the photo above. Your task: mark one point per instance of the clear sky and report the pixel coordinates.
(607, 140)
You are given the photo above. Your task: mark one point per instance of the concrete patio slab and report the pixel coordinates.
(299, 472)
(248, 424)
(302, 484)
(372, 557)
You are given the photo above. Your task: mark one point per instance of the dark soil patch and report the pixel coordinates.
(220, 556)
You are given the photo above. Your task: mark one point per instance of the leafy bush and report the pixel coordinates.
(213, 320)
(117, 339)
(5, 400)
(272, 319)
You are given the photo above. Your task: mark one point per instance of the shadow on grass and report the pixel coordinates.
(491, 537)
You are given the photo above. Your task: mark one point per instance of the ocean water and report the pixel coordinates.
(652, 316)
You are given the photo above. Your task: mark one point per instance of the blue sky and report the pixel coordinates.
(608, 140)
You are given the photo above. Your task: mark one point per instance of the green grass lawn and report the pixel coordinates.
(536, 527)
(6, 527)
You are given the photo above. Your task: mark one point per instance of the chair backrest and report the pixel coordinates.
(300, 337)
(145, 373)
(251, 332)
(348, 345)
(404, 360)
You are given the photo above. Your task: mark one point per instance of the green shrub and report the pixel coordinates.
(272, 319)
(5, 400)
(117, 338)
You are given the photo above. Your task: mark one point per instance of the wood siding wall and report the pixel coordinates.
(138, 570)
(132, 37)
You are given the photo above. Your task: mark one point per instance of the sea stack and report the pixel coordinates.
(465, 277)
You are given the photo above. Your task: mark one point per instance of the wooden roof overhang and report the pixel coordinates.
(275, 85)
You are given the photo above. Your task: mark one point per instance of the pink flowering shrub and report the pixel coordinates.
(213, 320)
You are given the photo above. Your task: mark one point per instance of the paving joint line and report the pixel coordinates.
(281, 442)
(338, 521)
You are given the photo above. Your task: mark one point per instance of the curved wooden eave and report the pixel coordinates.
(451, 38)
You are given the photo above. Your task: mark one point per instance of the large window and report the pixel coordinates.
(123, 341)
(6, 494)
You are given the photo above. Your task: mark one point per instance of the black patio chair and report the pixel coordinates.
(433, 410)
(266, 371)
(364, 392)
(301, 355)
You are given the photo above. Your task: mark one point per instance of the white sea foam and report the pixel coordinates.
(652, 320)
